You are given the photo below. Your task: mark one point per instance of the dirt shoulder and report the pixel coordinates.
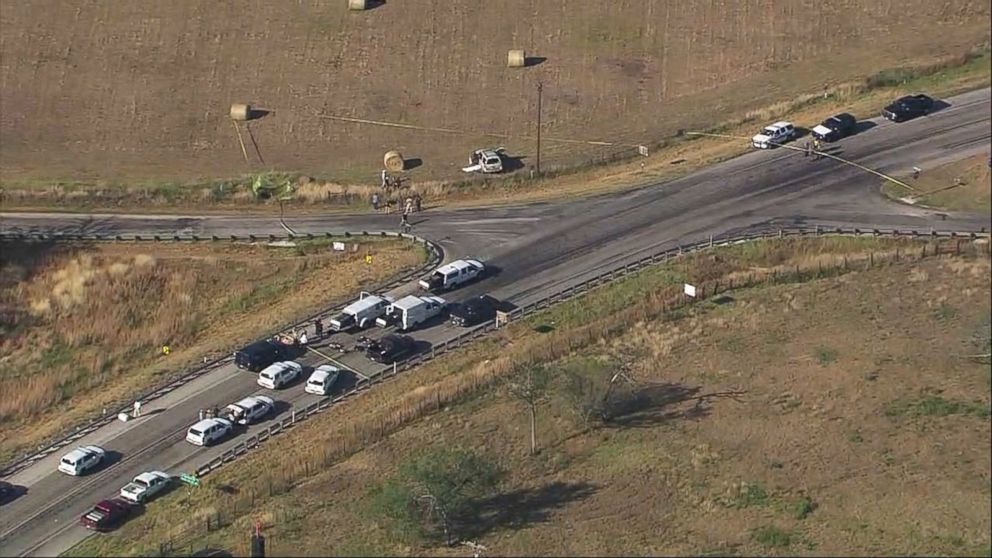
(961, 185)
(773, 420)
(84, 325)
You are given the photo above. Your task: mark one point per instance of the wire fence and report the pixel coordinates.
(434, 256)
(195, 536)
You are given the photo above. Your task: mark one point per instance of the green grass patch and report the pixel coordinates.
(937, 406)
(772, 537)
(803, 507)
(825, 355)
(751, 495)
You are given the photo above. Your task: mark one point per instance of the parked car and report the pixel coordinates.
(250, 409)
(362, 313)
(106, 515)
(474, 311)
(208, 431)
(82, 459)
(836, 127)
(770, 136)
(260, 354)
(322, 380)
(410, 311)
(391, 348)
(144, 486)
(452, 275)
(908, 107)
(277, 375)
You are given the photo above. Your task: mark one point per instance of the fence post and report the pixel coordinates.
(871, 259)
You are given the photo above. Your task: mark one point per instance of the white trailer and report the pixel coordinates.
(452, 275)
(362, 313)
(411, 310)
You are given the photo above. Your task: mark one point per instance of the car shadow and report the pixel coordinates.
(14, 492)
(419, 347)
(110, 458)
(939, 105)
(278, 407)
(512, 163)
(801, 132)
(863, 126)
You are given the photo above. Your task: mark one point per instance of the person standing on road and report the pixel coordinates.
(375, 201)
(137, 409)
(416, 202)
(303, 339)
(816, 149)
(404, 223)
(318, 329)
(807, 149)
(201, 414)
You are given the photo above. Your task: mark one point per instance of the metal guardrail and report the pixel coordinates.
(622, 270)
(435, 256)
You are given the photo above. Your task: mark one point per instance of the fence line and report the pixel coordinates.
(435, 255)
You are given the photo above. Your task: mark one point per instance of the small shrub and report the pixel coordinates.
(855, 437)
(772, 537)
(825, 355)
(751, 495)
(803, 507)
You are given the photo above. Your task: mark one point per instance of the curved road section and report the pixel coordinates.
(534, 249)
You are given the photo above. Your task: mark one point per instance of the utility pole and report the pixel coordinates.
(540, 88)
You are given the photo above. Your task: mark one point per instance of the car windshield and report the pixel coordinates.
(267, 375)
(68, 461)
(316, 382)
(195, 432)
(141, 482)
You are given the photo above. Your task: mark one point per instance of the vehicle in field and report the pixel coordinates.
(278, 375)
(209, 431)
(106, 515)
(391, 348)
(410, 311)
(145, 486)
(473, 311)
(908, 107)
(452, 275)
(80, 460)
(486, 161)
(774, 134)
(322, 380)
(362, 313)
(250, 409)
(836, 127)
(260, 354)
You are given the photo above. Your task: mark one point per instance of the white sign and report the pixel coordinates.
(643, 150)
(690, 290)
(339, 246)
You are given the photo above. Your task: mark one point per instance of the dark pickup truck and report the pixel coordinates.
(908, 107)
(474, 311)
(106, 515)
(391, 348)
(836, 127)
(260, 354)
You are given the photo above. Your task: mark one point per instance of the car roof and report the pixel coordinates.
(258, 346)
(80, 452)
(780, 124)
(208, 422)
(459, 265)
(252, 400)
(364, 304)
(149, 476)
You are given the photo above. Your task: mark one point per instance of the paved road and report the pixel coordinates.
(537, 249)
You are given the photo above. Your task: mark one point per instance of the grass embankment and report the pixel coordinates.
(84, 324)
(670, 158)
(962, 185)
(780, 417)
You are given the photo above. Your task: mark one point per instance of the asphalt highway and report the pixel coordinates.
(535, 249)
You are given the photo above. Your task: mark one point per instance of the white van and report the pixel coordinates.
(208, 431)
(411, 310)
(362, 313)
(322, 380)
(277, 375)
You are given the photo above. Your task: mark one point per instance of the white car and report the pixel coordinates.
(279, 374)
(322, 380)
(779, 132)
(144, 486)
(81, 460)
(250, 409)
(208, 431)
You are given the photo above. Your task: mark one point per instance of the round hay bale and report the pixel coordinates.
(356, 5)
(240, 111)
(515, 59)
(393, 161)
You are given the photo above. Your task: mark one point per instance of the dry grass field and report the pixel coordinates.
(778, 420)
(83, 325)
(961, 185)
(138, 92)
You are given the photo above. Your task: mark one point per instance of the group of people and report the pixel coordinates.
(812, 149)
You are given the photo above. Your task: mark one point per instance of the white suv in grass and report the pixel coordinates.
(144, 486)
(769, 136)
(81, 460)
(277, 375)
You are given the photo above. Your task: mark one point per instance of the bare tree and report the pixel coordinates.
(531, 387)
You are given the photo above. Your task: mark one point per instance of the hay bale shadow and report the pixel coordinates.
(530, 61)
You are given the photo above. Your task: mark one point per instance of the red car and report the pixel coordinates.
(106, 515)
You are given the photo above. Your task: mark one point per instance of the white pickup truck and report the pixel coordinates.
(411, 310)
(452, 275)
(362, 313)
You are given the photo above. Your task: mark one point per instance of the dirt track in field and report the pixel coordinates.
(140, 90)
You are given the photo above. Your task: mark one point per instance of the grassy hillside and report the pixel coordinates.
(772, 420)
(83, 325)
(139, 93)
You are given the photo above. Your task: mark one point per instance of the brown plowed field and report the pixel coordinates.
(140, 90)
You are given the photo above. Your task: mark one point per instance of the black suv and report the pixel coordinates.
(391, 348)
(260, 354)
(836, 127)
(474, 311)
(908, 107)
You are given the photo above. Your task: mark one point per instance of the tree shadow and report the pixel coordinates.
(651, 405)
(519, 508)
